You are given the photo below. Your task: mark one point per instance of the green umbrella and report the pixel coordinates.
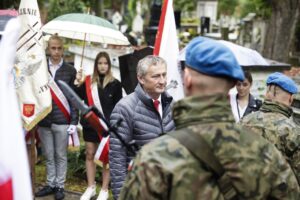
(85, 27)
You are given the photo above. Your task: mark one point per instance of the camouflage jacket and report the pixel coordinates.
(273, 122)
(165, 169)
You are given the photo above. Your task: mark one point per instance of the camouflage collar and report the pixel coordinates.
(271, 106)
(202, 109)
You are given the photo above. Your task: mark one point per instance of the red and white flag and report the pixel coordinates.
(14, 168)
(166, 46)
(31, 71)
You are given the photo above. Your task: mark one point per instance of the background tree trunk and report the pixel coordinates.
(98, 8)
(280, 33)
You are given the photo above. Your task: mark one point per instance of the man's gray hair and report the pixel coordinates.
(148, 61)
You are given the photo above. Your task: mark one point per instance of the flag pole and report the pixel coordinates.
(83, 48)
(32, 158)
(82, 54)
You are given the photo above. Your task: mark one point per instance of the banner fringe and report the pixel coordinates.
(37, 119)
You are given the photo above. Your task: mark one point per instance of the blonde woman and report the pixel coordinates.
(103, 88)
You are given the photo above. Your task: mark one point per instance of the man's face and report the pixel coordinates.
(55, 50)
(154, 81)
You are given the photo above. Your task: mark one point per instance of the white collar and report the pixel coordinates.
(159, 99)
(59, 64)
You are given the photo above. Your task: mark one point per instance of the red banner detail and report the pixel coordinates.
(28, 135)
(88, 88)
(6, 190)
(104, 154)
(88, 85)
(28, 110)
(60, 105)
(160, 28)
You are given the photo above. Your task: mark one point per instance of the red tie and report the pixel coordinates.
(156, 104)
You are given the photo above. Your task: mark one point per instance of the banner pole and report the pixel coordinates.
(32, 158)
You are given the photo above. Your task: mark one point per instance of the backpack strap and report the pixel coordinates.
(200, 149)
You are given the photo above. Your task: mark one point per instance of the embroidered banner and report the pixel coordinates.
(30, 69)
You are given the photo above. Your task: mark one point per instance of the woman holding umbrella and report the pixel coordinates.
(103, 88)
(243, 103)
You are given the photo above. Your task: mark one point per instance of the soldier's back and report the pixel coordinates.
(270, 125)
(167, 170)
(279, 130)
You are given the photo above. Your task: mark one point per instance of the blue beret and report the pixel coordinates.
(212, 58)
(283, 81)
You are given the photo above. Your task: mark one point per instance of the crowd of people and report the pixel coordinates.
(209, 145)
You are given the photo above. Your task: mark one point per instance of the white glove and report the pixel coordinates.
(72, 129)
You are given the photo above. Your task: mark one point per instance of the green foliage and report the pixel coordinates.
(61, 7)
(145, 4)
(241, 8)
(227, 7)
(9, 4)
(180, 5)
(261, 7)
(185, 5)
(76, 165)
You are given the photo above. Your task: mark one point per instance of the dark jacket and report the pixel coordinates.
(140, 122)
(109, 97)
(65, 73)
(253, 105)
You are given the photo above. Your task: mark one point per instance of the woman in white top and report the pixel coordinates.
(243, 103)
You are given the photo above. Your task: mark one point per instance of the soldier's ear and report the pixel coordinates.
(291, 99)
(187, 79)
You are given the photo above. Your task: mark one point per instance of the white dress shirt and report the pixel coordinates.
(159, 106)
(53, 68)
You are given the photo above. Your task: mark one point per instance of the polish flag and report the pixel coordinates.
(6, 187)
(166, 46)
(14, 168)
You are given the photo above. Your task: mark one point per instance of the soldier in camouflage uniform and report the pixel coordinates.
(273, 120)
(167, 169)
(296, 109)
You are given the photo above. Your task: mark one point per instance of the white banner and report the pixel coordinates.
(166, 46)
(30, 70)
